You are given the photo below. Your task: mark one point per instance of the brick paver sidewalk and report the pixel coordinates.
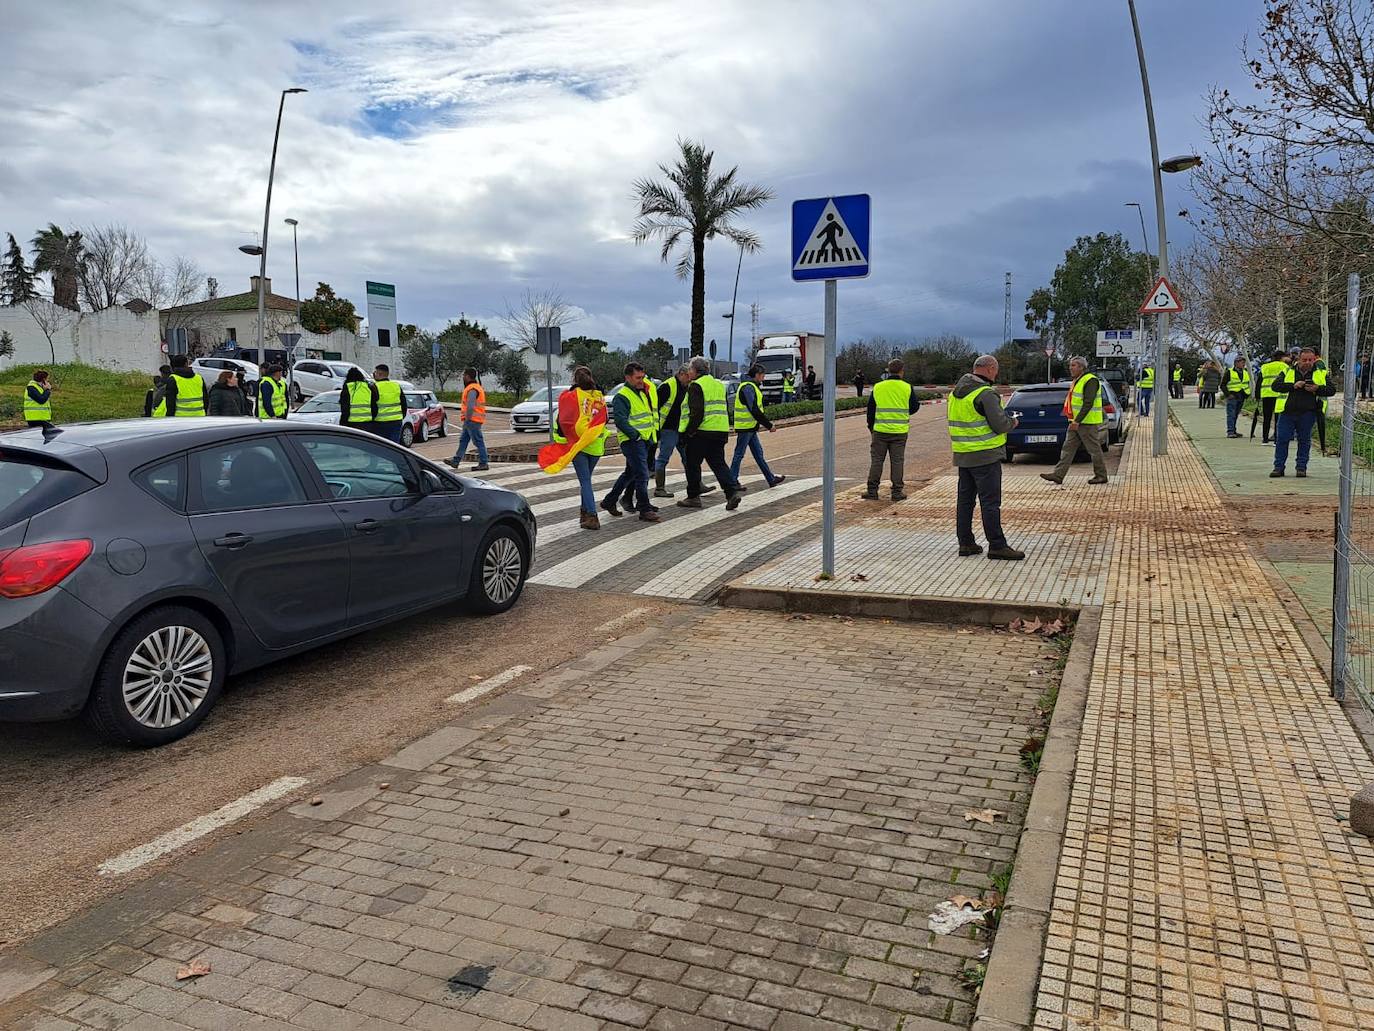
(741, 822)
(1209, 878)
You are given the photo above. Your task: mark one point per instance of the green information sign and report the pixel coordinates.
(381, 289)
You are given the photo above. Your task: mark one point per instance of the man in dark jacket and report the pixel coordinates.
(811, 383)
(749, 423)
(1304, 387)
(890, 407)
(150, 398)
(634, 410)
(184, 386)
(977, 431)
(707, 430)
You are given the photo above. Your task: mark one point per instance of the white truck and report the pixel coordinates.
(781, 353)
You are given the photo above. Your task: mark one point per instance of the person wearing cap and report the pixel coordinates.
(1083, 406)
(891, 404)
(1236, 388)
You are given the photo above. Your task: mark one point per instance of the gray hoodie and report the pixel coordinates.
(989, 405)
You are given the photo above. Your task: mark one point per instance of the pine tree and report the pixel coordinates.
(16, 278)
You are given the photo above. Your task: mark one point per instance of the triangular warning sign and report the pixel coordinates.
(1161, 299)
(831, 244)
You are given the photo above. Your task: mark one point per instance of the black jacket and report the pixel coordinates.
(873, 407)
(226, 399)
(171, 398)
(349, 418)
(1301, 401)
(751, 402)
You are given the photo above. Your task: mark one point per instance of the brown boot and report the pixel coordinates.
(590, 521)
(650, 516)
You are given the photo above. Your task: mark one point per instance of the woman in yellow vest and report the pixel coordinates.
(38, 401)
(580, 407)
(357, 401)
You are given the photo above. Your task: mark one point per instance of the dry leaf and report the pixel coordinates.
(859, 578)
(992, 899)
(195, 968)
(1033, 627)
(962, 901)
(1016, 624)
(982, 815)
(317, 800)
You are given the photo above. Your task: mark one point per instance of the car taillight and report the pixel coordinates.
(1109, 409)
(39, 567)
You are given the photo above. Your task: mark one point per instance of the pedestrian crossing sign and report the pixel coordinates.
(830, 237)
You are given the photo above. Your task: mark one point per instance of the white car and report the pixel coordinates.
(313, 376)
(533, 414)
(208, 369)
(425, 416)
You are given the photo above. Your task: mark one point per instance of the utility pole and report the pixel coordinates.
(1006, 314)
(753, 326)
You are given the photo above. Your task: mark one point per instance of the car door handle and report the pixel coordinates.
(233, 540)
(367, 526)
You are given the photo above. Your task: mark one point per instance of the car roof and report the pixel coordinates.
(69, 441)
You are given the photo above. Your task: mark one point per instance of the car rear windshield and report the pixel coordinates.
(29, 485)
(1042, 396)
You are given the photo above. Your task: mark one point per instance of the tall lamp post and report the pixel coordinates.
(291, 352)
(266, 216)
(730, 353)
(1178, 164)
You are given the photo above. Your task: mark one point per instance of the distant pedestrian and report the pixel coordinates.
(890, 408)
(183, 393)
(749, 421)
(634, 409)
(472, 413)
(573, 406)
(978, 430)
(357, 401)
(1235, 388)
(1209, 382)
(1176, 387)
(1302, 389)
(150, 396)
(707, 429)
(858, 382)
(225, 397)
(789, 387)
(811, 383)
(1083, 406)
(391, 405)
(1145, 390)
(38, 400)
(272, 403)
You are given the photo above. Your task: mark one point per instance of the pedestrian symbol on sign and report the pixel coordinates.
(831, 244)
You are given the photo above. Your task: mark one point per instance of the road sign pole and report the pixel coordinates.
(828, 440)
(548, 383)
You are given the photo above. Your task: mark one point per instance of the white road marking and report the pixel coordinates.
(611, 624)
(568, 527)
(589, 564)
(703, 568)
(490, 684)
(226, 814)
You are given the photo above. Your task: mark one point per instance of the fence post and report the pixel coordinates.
(1341, 602)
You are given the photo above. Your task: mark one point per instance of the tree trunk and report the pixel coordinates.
(698, 295)
(1278, 314)
(1326, 313)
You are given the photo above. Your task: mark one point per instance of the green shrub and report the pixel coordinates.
(794, 408)
(495, 398)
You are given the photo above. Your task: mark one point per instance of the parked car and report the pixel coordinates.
(209, 369)
(143, 561)
(533, 413)
(313, 376)
(1040, 407)
(1120, 379)
(425, 416)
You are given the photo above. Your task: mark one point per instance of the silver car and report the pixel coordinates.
(313, 376)
(533, 413)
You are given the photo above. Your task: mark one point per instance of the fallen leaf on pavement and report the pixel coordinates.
(992, 899)
(1033, 627)
(858, 578)
(960, 901)
(982, 815)
(317, 800)
(1016, 624)
(799, 615)
(195, 968)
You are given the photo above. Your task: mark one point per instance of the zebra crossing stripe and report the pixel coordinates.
(587, 565)
(568, 527)
(698, 571)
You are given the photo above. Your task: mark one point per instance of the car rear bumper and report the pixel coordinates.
(45, 656)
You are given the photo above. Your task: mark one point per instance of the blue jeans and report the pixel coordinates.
(636, 474)
(1234, 403)
(472, 431)
(583, 464)
(667, 444)
(1289, 427)
(749, 439)
(1143, 399)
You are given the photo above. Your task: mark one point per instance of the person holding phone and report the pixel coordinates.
(1302, 387)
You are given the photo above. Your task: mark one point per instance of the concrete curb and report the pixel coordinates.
(1008, 997)
(911, 608)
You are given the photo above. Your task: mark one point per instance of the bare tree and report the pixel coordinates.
(113, 260)
(536, 308)
(48, 318)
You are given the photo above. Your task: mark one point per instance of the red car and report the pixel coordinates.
(425, 417)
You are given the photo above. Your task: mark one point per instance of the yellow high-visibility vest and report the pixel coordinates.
(892, 406)
(969, 430)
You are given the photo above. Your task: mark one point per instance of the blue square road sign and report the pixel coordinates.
(830, 238)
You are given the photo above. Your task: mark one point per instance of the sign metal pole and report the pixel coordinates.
(1341, 590)
(828, 443)
(548, 383)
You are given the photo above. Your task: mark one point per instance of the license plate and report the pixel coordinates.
(1042, 438)
(527, 418)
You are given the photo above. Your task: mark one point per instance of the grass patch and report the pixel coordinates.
(495, 398)
(972, 976)
(1032, 752)
(83, 393)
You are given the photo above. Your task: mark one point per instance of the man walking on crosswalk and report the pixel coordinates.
(749, 422)
(707, 428)
(635, 413)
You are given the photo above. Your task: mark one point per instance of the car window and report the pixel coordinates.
(164, 481)
(355, 469)
(245, 474)
(341, 370)
(29, 485)
(322, 403)
(416, 400)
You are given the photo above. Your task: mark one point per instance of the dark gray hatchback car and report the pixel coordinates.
(142, 561)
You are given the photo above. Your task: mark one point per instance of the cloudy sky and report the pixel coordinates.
(468, 149)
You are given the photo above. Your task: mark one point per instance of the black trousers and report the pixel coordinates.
(1321, 429)
(709, 448)
(980, 486)
(1267, 406)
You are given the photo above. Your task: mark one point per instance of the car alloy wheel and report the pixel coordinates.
(501, 569)
(167, 676)
(407, 435)
(424, 431)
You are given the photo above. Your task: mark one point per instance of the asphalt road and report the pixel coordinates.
(70, 803)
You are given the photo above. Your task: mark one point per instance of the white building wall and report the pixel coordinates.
(115, 338)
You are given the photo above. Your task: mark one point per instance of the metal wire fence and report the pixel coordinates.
(1352, 645)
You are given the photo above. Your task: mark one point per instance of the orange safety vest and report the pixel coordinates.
(479, 406)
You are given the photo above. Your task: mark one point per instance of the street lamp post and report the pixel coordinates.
(730, 353)
(266, 216)
(291, 352)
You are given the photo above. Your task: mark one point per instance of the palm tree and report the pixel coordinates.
(695, 205)
(60, 255)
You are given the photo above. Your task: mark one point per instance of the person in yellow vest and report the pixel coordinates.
(749, 422)
(890, 407)
(1302, 389)
(789, 387)
(672, 395)
(706, 425)
(1270, 371)
(1177, 390)
(978, 430)
(1083, 406)
(634, 410)
(38, 400)
(357, 401)
(391, 405)
(1235, 385)
(272, 394)
(182, 394)
(576, 405)
(1145, 390)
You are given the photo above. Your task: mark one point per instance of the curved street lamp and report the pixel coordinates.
(266, 215)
